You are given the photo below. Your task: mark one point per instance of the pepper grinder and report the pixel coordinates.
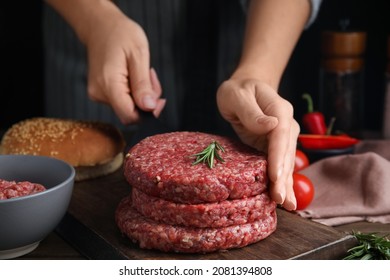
(342, 78)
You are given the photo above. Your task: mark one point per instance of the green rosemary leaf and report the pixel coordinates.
(219, 147)
(209, 154)
(210, 160)
(367, 257)
(370, 247)
(202, 157)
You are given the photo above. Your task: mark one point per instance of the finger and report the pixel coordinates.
(156, 86)
(290, 202)
(122, 103)
(279, 139)
(160, 103)
(140, 81)
(282, 189)
(276, 170)
(116, 94)
(253, 118)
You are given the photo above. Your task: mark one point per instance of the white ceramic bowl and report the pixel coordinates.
(27, 220)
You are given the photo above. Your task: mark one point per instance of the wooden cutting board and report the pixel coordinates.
(90, 227)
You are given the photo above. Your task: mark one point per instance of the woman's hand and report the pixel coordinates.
(119, 72)
(264, 120)
(249, 101)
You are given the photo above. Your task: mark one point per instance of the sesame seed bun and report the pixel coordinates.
(93, 148)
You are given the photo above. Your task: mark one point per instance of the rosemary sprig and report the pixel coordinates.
(370, 247)
(209, 154)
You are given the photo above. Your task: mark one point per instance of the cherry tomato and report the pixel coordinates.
(303, 189)
(301, 161)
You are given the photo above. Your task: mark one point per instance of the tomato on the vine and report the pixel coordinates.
(303, 189)
(301, 160)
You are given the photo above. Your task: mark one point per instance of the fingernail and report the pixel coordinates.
(149, 102)
(159, 107)
(278, 198)
(290, 205)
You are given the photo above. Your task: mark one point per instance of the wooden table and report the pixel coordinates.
(88, 231)
(55, 247)
(90, 217)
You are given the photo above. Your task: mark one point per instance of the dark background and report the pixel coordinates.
(21, 84)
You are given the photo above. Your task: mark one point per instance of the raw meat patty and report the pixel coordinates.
(161, 165)
(12, 189)
(217, 214)
(168, 238)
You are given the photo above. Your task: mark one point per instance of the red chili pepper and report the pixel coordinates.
(313, 122)
(323, 142)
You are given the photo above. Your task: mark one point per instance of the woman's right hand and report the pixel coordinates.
(119, 65)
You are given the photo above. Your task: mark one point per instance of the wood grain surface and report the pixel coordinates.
(90, 227)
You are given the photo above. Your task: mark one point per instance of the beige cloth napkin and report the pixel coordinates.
(351, 188)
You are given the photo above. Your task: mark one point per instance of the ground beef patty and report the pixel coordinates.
(217, 214)
(169, 238)
(12, 189)
(161, 165)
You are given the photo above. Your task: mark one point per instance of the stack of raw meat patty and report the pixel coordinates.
(181, 207)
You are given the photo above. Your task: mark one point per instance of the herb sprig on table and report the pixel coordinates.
(209, 154)
(370, 247)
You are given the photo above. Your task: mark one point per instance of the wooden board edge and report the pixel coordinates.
(334, 250)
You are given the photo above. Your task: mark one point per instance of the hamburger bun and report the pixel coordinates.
(93, 148)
